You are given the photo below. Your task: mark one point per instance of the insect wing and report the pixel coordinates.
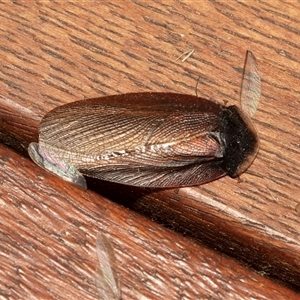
(144, 139)
(158, 177)
(251, 86)
(107, 278)
(116, 123)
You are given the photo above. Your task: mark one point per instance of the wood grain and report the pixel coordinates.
(55, 52)
(48, 235)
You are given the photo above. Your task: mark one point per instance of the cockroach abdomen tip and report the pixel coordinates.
(59, 168)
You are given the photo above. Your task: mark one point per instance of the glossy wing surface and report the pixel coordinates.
(161, 177)
(124, 122)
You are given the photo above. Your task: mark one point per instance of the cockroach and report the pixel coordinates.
(107, 278)
(151, 139)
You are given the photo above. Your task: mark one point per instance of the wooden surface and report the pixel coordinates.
(55, 53)
(48, 247)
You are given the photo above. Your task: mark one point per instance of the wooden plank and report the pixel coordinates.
(54, 53)
(47, 249)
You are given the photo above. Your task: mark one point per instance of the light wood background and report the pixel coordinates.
(223, 240)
